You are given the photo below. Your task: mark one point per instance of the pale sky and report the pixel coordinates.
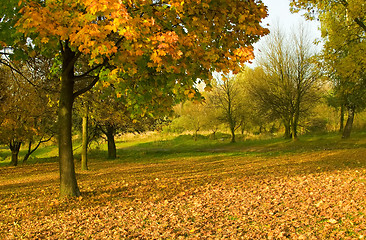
(279, 12)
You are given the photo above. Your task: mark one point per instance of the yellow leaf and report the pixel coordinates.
(44, 40)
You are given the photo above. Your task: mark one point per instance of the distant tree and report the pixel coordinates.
(287, 78)
(255, 113)
(21, 121)
(193, 117)
(227, 97)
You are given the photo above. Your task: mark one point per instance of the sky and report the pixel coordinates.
(279, 12)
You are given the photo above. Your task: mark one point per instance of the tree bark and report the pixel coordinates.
(29, 152)
(68, 183)
(341, 120)
(111, 143)
(84, 149)
(348, 128)
(287, 126)
(232, 129)
(14, 147)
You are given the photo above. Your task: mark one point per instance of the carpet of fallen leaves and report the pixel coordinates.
(316, 195)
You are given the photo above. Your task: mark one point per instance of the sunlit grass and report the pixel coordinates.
(160, 147)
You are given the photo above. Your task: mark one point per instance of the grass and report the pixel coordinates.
(180, 188)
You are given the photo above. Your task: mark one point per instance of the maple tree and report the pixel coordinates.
(186, 40)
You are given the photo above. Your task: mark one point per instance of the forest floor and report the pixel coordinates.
(313, 188)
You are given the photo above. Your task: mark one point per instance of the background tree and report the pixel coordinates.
(192, 117)
(22, 121)
(226, 96)
(256, 114)
(343, 30)
(287, 79)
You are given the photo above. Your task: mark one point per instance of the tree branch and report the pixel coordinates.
(17, 71)
(87, 88)
(360, 23)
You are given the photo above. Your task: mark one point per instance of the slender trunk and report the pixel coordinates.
(348, 128)
(233, 136)
(14, 147)
(296, 116)
(214, 134)
(84, 150)
(242, 129)
(294, 130)
(341, 120)
(232, 129)
(196, 135)
(29, 152)
(68, 183)
(111, 143)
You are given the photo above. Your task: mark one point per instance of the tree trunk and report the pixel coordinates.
(296, 116)
(341, 120)
(348, 128)
(14, 147)
(68, 184)
(232, 129)
(29, 152)
(287, 126)
(111, 144)
(84, 149)
(196, 135)
(214, 135)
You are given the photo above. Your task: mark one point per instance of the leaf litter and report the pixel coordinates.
(293, 197)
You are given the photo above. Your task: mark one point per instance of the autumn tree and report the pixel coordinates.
(255, 113)
(23, 122)
(287, 78)
(185, 40)
(192, 117)
(227, 97)
(343, 29)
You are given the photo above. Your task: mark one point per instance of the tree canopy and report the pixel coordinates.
(169, 44)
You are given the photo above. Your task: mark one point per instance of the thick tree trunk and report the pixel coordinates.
(348, 128)
(68, 184)
(341, 120)
(84, 149)
(14, 147)
(112, 154)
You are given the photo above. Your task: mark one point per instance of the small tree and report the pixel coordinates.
(287, 80)
(227, 96)
(22, 122)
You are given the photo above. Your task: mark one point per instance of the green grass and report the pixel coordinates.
(163, 148)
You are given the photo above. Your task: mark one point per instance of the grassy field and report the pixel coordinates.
(176, 188)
